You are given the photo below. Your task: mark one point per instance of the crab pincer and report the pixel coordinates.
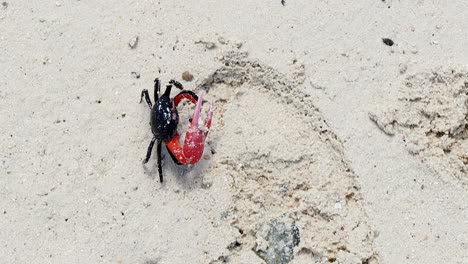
(194, 142)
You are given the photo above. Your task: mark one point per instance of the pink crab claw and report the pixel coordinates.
(194, 143)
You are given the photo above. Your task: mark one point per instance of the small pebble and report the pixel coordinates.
(388, 42)
(222, 40)
(133, 42)
(210, 45)
(403, 68)
(186, 76)
(238, 44)
(376, 233)
(5, 5)
(135, 75)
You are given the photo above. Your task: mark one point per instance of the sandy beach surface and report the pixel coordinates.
(340, 133)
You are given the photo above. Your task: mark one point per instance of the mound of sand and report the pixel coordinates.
(285, 172)
(432, 117)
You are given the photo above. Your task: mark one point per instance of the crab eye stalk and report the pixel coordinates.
(168, 91)
(177, 84)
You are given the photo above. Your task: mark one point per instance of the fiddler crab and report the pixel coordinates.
(165, 119)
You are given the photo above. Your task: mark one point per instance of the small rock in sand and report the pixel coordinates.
(133, 42)
(222, 40)
(403, 68)
(207, 44)
(276, 240)
(186, 76)
(210, 45)
(388, 42)
(135, 75)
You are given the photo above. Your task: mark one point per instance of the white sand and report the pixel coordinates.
(291, 140)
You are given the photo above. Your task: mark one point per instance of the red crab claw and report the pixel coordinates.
(194, 143)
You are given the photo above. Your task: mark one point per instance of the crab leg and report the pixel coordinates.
(192, 150)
